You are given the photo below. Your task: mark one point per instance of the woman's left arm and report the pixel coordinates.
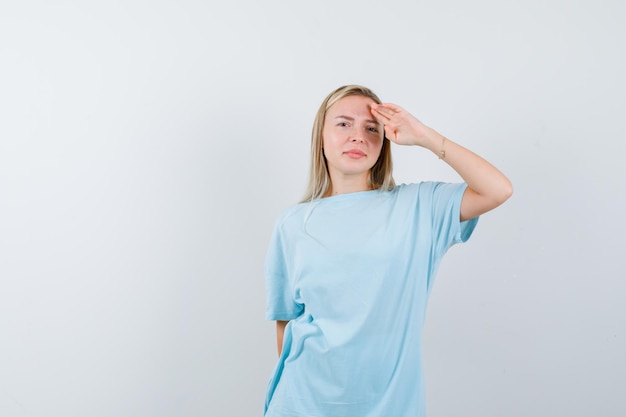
(487, 187)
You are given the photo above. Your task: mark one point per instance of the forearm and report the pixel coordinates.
(280, 331)
(481, 176)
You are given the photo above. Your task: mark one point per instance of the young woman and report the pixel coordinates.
(350, 268)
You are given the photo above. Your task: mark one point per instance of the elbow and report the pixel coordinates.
(505, 192)
(475, 204)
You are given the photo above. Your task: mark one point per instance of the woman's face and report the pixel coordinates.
(352, 138)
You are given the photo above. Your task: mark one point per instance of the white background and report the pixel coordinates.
(146, 149)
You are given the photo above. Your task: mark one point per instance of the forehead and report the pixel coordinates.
(354, 106)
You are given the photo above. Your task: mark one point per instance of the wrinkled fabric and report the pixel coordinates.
(352, 274)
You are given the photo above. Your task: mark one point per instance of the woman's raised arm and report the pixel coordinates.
(487, 187)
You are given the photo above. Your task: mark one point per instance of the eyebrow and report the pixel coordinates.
(352, 119)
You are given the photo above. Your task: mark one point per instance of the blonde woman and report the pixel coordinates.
(350, 268)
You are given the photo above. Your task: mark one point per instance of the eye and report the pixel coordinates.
(343, 124)
(373, 129)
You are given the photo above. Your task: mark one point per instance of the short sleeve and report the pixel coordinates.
(280, 303)
(447, 226)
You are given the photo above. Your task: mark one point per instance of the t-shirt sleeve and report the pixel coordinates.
(448, 229)
(280, 303)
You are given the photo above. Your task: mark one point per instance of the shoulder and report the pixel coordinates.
(427, 187)
(290, 214)
(415, 186)
(429, 193)
(423, 187)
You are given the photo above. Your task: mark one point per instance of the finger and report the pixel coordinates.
(390, 133)
(386, 114)
(381, 118)
(394, 107)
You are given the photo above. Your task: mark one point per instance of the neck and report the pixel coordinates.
(348, 184)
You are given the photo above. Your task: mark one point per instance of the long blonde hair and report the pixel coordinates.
(380, 176)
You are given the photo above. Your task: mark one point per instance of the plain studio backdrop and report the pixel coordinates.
(146, 149)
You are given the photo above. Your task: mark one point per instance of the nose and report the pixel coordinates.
(356, 139)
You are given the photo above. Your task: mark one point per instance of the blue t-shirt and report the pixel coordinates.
(352, 274)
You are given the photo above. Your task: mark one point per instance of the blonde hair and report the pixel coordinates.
(380, 176)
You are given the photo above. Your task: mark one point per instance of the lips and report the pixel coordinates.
(355, 154)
